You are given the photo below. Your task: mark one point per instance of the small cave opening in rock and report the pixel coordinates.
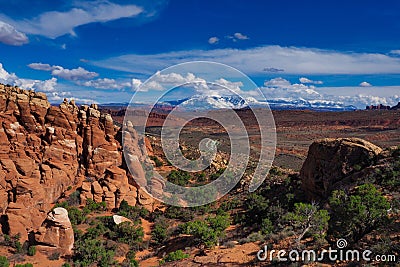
(5, 226)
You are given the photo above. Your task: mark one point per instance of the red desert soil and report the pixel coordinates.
(297, 129)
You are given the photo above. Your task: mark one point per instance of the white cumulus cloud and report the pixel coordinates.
(280, 88)
(161, 81)
(10, 36)
(135, 84)
(67, 74)
(40, 66)
(240, 36)
(106, 83)
(277, 82)
(365, 84)
(308, 81)
(213, 40)
(73, 74)
(53, 24)
(38, 85)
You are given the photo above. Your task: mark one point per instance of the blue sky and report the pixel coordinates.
(102, 50)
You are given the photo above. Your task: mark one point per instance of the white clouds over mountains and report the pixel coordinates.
(308, 81)
(282, 89)
(253, 61)
(273, 89)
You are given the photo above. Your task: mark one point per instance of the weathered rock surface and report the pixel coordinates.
(329, 161)
(56, 232)
(120, 219)
(46, 149)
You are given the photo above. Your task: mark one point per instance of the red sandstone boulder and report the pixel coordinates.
(56, 232)
(331, 160)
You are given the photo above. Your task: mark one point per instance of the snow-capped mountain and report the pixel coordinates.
(217, 102)
(203, 102)
(323, 105)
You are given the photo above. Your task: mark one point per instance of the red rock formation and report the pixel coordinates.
(45, 149)
(56, 233)
(331, 160)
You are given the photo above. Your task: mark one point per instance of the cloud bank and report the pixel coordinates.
(38, 85)
(292, 60)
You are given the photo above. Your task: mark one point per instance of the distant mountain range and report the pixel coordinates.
(203, 102)
(236, 102)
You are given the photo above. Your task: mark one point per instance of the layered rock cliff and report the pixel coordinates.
(44, 150)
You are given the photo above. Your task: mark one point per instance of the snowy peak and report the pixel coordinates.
(203, 102)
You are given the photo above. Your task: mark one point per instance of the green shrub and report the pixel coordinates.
(4, 261)
(256, 207)
(76, 216)
(357, 167)
(157, 161)
(275, 171)
(54, 256)
(131, 258)
(219, 223)
(176, 256)
(91, 206)
(307, 218)
(18, 247)
(201, 177)
(13, 242)
(179, 213)
(74, 199)
(357, 214)
(179, 177)
(217, 174)
(230, 204)
(93, 251)
(266, 226)
(97, 231)
(207, 233)
(129, 233)
(66, 265)
(201, 194)
(31, 250)
(132, 212)
(160, 232)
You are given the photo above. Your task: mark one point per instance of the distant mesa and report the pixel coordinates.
(397, 107)
(383, 107)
